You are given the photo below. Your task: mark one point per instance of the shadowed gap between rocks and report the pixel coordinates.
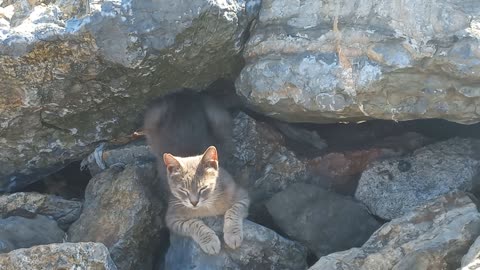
(69, 183)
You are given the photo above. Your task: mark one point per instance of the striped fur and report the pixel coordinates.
(200, 188)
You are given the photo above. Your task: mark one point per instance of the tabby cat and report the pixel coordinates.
(201, 188)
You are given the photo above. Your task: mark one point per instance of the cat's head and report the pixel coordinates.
(192, 180)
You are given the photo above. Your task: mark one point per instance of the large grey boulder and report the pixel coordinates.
(433, 236)
(65, 212)
(393, 187)
(59, 256)
(121, 211)
(330, 61)
(20, 232)
(78, 72)
(261, 249)
(321, 220)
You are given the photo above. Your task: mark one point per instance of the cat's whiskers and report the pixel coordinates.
(177, 203)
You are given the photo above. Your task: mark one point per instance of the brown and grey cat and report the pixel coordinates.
(201, 188)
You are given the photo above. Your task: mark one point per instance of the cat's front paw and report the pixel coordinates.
(210, 244)
(233, 238)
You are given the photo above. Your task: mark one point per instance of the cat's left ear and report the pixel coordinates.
(172, 164)
(210, 158)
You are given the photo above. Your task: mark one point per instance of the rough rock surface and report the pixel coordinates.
(323, 221)
(261, 162)
(20, 232)
(262, 248)
(329, 61)
(78, 72)
(63, 211)
(340, 171)
(59, 256)
(433, 236)
(120, 212)
(471, 260)
(393, 187)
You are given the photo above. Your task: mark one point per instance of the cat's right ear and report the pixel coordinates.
(172, 164)
(210, 158)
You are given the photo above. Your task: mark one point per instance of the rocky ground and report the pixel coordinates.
(316, 90)
(392, 202)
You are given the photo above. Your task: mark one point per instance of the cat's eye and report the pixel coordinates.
(184, 191)
(203, 189)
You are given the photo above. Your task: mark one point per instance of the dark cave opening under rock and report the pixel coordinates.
(69, 182)
(362, 135)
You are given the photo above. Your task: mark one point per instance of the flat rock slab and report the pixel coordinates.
(20, 232)
(81, 256)
(393, 187)
(65, 212)
(261, 249)
(433, 236)
(321, 220)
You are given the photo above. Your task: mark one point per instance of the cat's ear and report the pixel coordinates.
(210, 158)
(171, 163)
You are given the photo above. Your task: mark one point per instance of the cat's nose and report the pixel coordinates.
(194, 202)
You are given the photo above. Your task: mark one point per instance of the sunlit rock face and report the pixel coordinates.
(74, 74)
(330, 61)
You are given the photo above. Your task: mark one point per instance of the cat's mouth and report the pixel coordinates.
(200, 204)
(189, 205)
